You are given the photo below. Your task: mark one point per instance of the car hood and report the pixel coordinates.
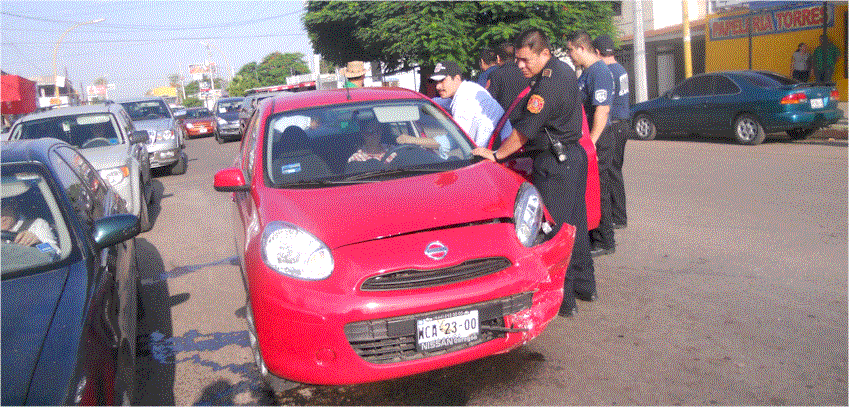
(153, 124)
(105, 157)
(350, 214)
(29, 305)
(196, 120)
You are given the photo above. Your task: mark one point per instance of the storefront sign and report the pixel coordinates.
(781, 20)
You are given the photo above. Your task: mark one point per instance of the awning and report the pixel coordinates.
(18, 94)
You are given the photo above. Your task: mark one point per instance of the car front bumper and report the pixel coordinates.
(230, 129)
(335, 332)
(163, 153)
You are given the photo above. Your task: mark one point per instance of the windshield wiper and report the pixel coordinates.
(427, 168)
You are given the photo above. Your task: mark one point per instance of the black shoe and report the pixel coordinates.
(601, 251)
(567, 312)
(585, 297)
(619, 226)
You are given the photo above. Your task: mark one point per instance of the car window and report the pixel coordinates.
(83, 131)
(725, 86)
(198, 113)
(228, 106)
(697, 86)
(767, 80)
(30, 206)
(86, 190)
(339, 141)
(144, 110)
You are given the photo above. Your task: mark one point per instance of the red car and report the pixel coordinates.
(199, 122)
(373, 245)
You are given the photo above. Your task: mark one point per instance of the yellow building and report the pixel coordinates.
(772, 36)
(165, 91)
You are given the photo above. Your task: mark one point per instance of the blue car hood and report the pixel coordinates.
(229, 116)
(28, 305)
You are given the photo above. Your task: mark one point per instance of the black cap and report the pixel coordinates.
(604, 44)
(444, 69)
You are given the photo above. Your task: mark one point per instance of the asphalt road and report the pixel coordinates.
(729, 287)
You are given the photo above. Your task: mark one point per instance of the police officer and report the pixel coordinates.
(551, 113)
(597, 89)
(620, 126)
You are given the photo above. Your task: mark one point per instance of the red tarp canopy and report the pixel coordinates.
(19, 95)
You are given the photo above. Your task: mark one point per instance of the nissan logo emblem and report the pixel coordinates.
(436, 250)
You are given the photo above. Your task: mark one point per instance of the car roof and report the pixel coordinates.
(73, 110)
(141, 98)
(231, 98)
(306, 99)
(28, 150)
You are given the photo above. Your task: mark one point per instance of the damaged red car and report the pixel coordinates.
(373, 245)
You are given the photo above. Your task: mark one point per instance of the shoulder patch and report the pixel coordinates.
(547, 72)
(535, 104)
(600, 95)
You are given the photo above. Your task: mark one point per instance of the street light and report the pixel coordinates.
(210, 44)
(56, 51)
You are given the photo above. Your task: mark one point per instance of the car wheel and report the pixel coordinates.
(276, 383)
(180, 167)
(644, 127)
(748, 130)
(800, 134)
(144, 215)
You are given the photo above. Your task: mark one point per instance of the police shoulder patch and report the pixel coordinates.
(601, 95)
(547, 72)
(535, 104)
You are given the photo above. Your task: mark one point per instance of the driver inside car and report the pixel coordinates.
(26, 231)
(372, 148)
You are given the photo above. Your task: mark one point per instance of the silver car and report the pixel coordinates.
(166, 141)
(107, 138)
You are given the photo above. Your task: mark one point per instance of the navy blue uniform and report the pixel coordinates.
(622, 129)
(597, 88)
(553, 105)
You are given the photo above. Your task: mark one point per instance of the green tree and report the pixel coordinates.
(272, 70)
(407, 34)
(191, 102)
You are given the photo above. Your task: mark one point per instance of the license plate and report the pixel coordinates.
(446, 330)
(817, 103)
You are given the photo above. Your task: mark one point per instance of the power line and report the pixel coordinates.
(161, 40)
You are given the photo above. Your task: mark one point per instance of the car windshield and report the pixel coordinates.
(143, 110)
(198, 113)
(229, 106)
(362, 142)
(34, 232)
(768, 80)
(83, 131)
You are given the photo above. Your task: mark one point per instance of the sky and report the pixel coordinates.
(141, 43)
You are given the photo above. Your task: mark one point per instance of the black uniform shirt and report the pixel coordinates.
(505, 84)
(552, 104)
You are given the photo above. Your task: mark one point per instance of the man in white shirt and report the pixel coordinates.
(471, 106)
(27, 232)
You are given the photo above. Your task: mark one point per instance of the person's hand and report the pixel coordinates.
(405, 139)
(485, 153)
(27, 238)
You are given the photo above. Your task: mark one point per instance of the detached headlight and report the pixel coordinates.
(294, 252)
(165, 135)
(116, 175)
(528, 214)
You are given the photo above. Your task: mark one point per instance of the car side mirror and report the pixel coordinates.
(140, 136)
(113, 229)
(230, 180)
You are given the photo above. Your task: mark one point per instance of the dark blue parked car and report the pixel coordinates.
(226, 111)
(744, 104)
(69, 280)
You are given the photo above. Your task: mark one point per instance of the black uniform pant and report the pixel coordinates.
(603, 235)
(562, 186)
(622, 131)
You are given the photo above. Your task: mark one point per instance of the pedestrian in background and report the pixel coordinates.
(596, 86)
(488, 64)
(507, 81)
(355, 74)
(620, 126)
(550, 127)
(801, 63)
(824, 58)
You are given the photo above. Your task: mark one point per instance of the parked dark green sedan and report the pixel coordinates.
(746, 105)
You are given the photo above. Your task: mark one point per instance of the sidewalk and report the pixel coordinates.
(836, 131)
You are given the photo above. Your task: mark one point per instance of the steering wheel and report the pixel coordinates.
(404, 146)
(8, 236)
(96, 142)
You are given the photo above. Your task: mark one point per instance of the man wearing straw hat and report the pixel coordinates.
(354, 73)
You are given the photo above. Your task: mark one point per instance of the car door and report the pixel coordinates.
(245, 209)
(690, 113)
(723, 105)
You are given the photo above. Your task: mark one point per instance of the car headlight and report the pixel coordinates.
(189, 125)
(167, 134)
(115, 175)
(528, 214)
(294, 252)
(222, 121)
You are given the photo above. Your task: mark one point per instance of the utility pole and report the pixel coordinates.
(686, 36)
(641, 93)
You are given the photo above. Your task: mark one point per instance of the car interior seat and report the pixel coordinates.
(293, 160)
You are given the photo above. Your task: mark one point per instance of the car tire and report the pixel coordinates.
(144, 214)
(218, 138)
(644, 127)
(748, 130)
(180, 167)
(800, 134)
(276, 383)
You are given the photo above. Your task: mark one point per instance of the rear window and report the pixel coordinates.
(768, 80)
(83, 131)
(143, 110)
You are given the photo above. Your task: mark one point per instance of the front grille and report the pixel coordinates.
(417, 278)
(393, 340)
